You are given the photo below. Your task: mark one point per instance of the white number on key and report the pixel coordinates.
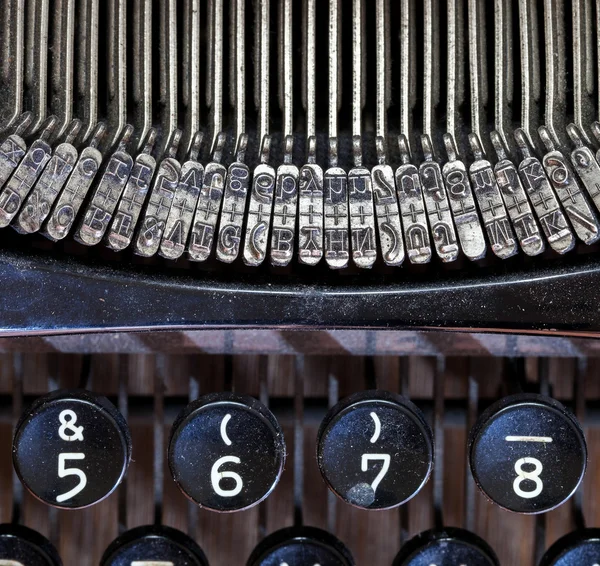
(534, 476)
(63, 472)
(216, 477)
(151, 563)
(10, 563)
(364, 466)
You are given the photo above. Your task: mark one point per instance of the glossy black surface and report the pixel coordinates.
(154, 544)
(26, 546)
(226, 451)
(51, 292)
(527, 453)
(301, 546)
(72, 430)
(446, 547)
(579, 548)
(375, 450)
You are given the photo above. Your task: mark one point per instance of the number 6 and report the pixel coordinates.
(63, 472)
(216, 477)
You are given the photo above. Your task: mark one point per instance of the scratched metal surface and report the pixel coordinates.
(374, 538)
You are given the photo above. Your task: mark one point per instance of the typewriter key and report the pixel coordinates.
(527, 453)
(375, 450)
(301, 546)
(20, 546)
(580, 548)
(71, 448)
(446, 547)
(226, 452)
(153, 546)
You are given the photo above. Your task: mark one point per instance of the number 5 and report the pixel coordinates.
(364, 466)
(63, 472)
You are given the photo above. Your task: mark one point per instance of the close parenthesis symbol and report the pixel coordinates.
(387, 227)
(377, 432)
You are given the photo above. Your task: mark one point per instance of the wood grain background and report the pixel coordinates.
(373, 537)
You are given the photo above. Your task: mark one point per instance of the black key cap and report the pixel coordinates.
(579, 548)
(20, 546)
(71, 448)
(226, 452)
(375, 450)
(153, 545)
(446, 547)
(301, 546)
(527, 453)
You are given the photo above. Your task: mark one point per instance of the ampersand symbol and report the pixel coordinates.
(77, 431)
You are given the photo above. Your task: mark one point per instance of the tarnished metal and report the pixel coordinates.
(38, 204)
(122, 227)
(26, 174)
(154, 217)
(72, 196)
(542, 197)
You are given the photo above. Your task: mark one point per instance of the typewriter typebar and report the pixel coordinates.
(324, 164)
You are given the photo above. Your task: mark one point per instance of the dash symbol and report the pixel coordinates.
(545, 439)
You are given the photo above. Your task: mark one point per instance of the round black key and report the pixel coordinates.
(375, 450)
(301, 546)
(226, 452)
(579, 548)
(71, 448)
(20, 546)
(527, 453)
(153, 545)
(446, 547)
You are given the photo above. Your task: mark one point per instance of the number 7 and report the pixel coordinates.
(385, 458)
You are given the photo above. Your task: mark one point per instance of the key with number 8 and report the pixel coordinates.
(527, 453)
(71, 449)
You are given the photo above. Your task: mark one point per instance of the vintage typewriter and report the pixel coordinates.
(299, 283)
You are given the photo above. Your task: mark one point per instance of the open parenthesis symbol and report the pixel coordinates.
(224, 436)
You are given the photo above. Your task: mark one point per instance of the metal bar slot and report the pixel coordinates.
(431, 67)
(159, 436)
(142, 69)
(583, 66)
(168, 70)
(191, 72)
(116, 71)
(503, 63)
(477, 67)
(12, 61)
(123, 404)
(63, 56)
(455, 64)
(36, 68)
(438, 431)
(554, 27)
(299, 441)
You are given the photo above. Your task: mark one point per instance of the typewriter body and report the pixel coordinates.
(299, 283)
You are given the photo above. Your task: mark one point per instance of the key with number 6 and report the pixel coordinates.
(71, 449)
(226, 452)
(527, 453)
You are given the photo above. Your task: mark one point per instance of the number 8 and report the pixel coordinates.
(534, 476)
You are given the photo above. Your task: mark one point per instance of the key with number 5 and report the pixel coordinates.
(71, 449)
(527, 453)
